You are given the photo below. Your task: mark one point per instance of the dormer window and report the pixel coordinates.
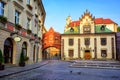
(102, 28)
(71, 30)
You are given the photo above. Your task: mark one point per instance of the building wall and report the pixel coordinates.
(37, 16)
(91, 47)
(118, 45)
(87, 42)
(51, 39)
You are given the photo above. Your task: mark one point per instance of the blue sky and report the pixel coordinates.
(58, 10)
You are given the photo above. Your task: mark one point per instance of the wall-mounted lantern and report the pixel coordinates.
(16, 38)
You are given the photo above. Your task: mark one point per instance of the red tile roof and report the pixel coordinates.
(103, 21)
(74, 23)
(97, 21)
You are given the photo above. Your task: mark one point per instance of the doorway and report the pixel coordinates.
(87, 55)
(8, 51)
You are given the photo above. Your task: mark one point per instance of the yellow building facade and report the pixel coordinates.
(24, 20)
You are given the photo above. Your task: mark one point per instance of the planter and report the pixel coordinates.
(29, 31)
(35, 35)
(22, 60)
(2, 67)
(26, 58)
(3, 19)
(22, 64)
(29, 6)
(18, 26)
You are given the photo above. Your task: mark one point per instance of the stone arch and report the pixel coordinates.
(9, 51)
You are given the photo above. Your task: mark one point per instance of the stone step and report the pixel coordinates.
(96, 64)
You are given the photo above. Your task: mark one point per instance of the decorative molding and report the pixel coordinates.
(18, 5)
(29, 13)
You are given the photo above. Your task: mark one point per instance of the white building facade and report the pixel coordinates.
(89, 38)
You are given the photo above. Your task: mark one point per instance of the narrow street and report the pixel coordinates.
(60, 70)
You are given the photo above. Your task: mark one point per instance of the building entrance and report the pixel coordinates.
(87, 55)
(8, 51)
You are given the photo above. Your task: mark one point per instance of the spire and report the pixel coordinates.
(86, 10)
(68, 20)
(51, 29)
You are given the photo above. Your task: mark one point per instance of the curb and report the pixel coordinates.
(24, 70)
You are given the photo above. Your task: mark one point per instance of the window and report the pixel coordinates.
(103, 28)
(86, 29)
(87, 41)
(29, 23)
(28, 2)
(104, 53)
(71, 30)
(24, 48)
(71, 53)
(1, 8)
(103, 41)
(17, 14)
(56, 41)
(71, 42)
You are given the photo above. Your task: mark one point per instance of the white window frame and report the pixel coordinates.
(17, 17)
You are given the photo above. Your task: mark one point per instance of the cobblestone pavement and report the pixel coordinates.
(60, 70)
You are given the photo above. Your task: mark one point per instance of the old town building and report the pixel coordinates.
(118, 45)
(21, 23)
(51, 44)
(89, 38)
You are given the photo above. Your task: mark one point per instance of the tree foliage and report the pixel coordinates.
(118, 29)
(22, 57)
(1, 57)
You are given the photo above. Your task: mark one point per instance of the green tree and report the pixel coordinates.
(118, 29)
(1, 57)
(22, 57)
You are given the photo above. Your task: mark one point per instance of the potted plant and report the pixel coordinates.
(29, 31)
(29, 6)
(18, 26)
(26, 58)
(22, 59)
(3, 19)
(35, 35)
(1, 61)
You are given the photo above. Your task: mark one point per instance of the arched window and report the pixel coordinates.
(24, 48)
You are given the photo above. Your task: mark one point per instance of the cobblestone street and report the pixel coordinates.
(60, 70)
